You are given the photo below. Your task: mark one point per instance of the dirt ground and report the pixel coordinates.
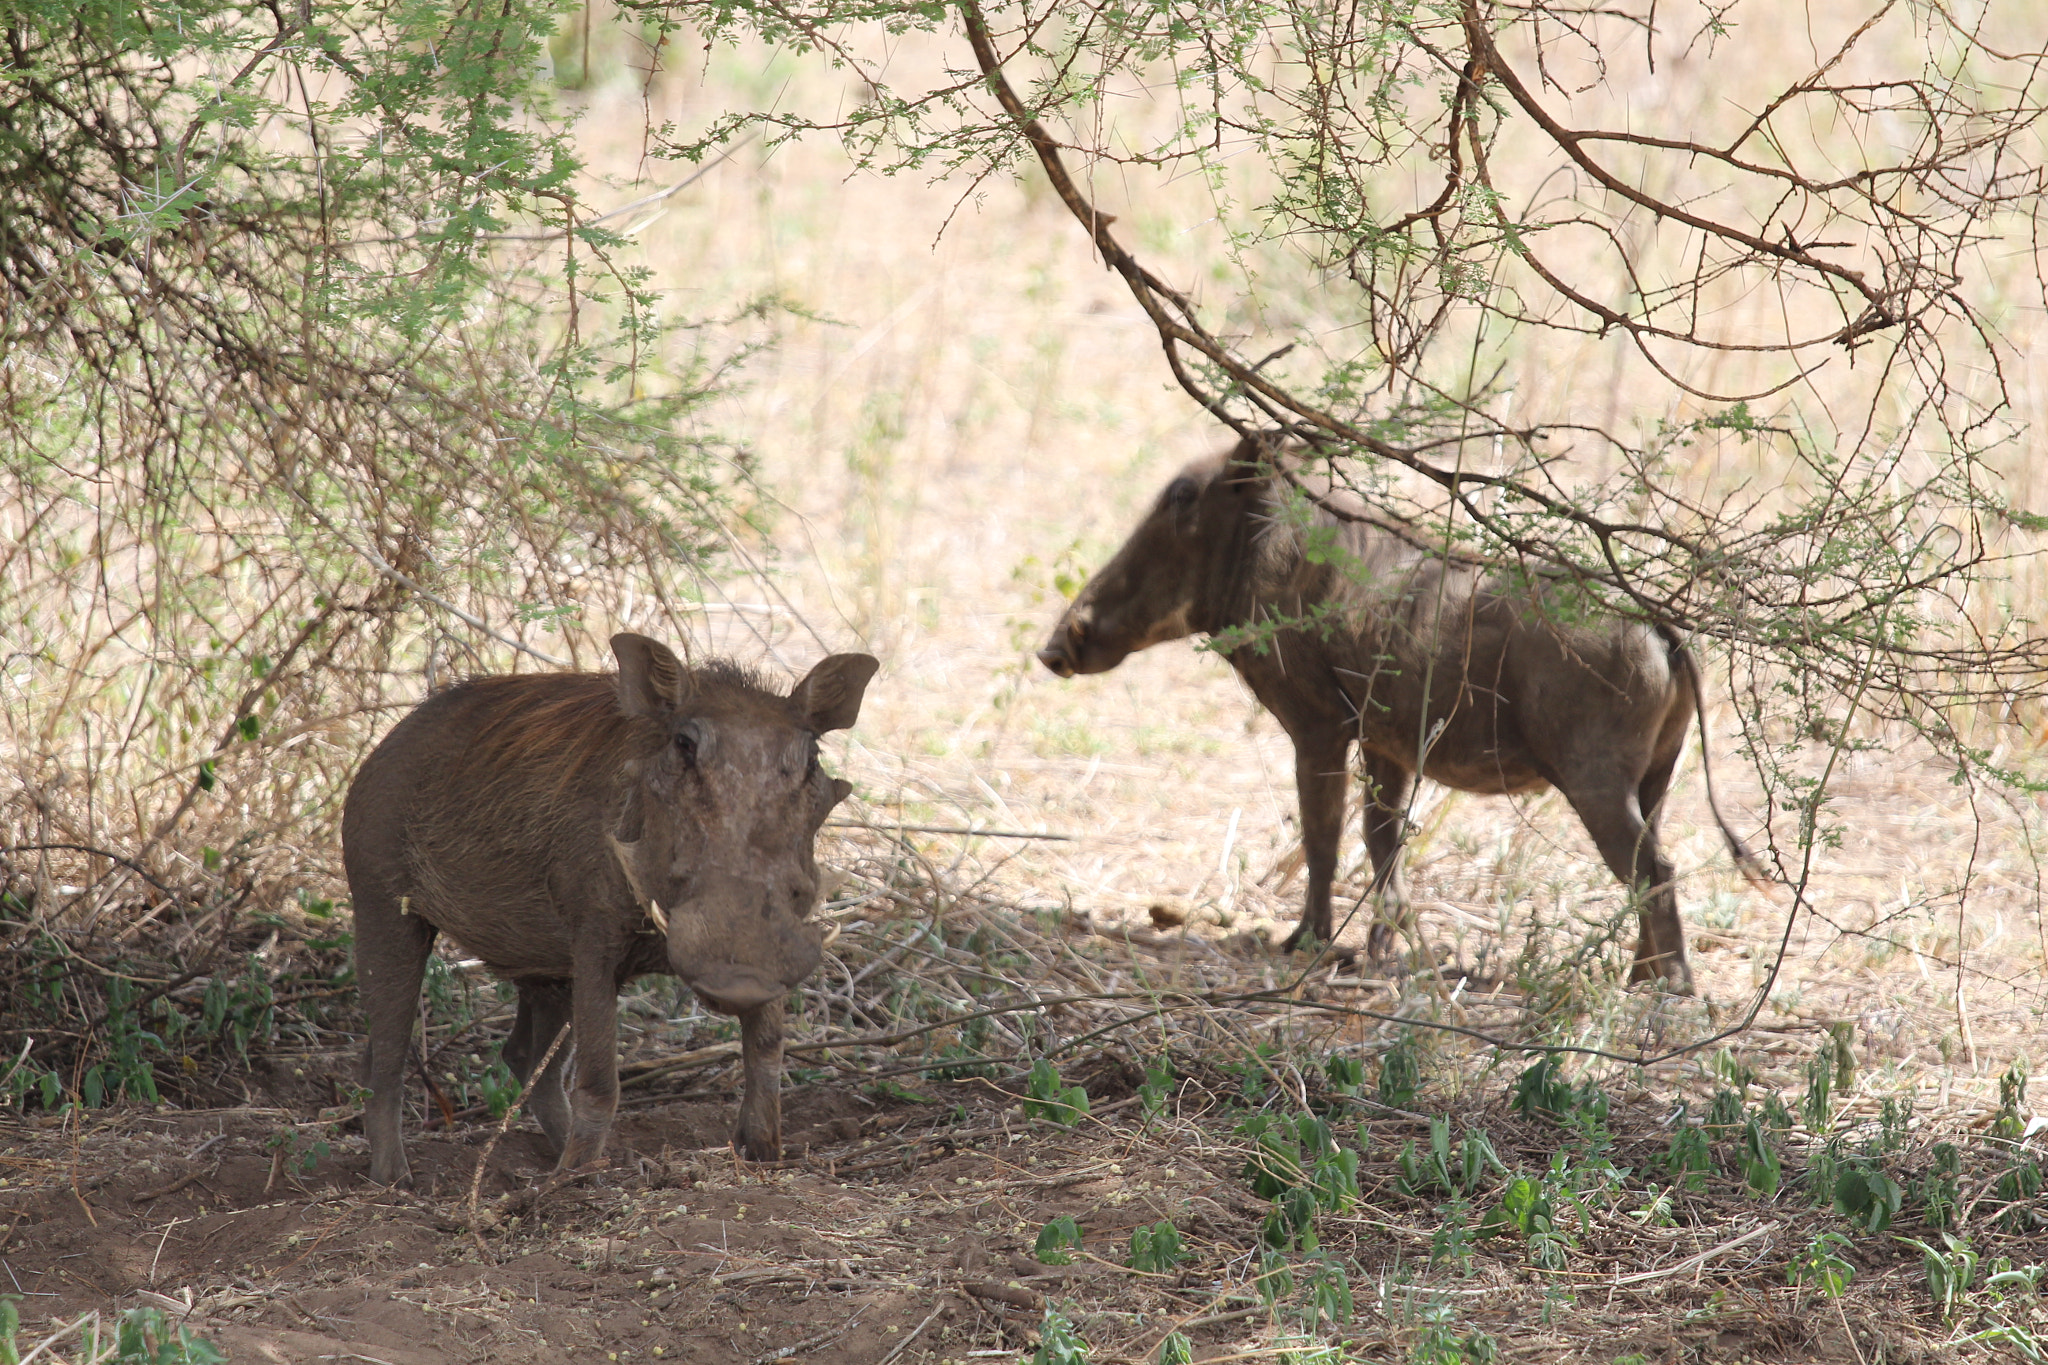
(900, 1226)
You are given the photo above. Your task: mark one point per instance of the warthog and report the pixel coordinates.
(1480, 684)
(576, 830)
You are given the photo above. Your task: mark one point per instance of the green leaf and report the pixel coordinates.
(1056, 1240)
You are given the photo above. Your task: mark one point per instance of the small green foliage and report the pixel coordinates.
(1939, 1192)
(1057, 1240)
(1275, 1163)
(1725, 1113)
(1761, 1169)
(2017, 1188)
(1950, 1271)
(499, 1087)
(1689, 1157)
(1525, 1210)
(1314, 1135)
(1335, 1179)
(1543, 1091)
(1158, 1085)
(293, 1151)
(1440, 1343)
(1732, 1069)
(1176, 1350)
(1291, 1223)
(1866, 1196)
(1058, 1342)
(1275, 1280)
(888, 1089)
(1254, 1073)
(1329, 1292)
(1400, 1077)
(1894, 1122)
(1451, 1243)
(1776, 1116)
(1832, 1067)
(1046, 1098)
(1157, 1248)
(2010, 1122)
(1656, 1210)
(140, 1336)
(1823, 1265)
(1439, 1170)
(1346, 1074)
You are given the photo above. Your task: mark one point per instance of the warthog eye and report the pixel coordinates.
(1181, 492)
(686, 748)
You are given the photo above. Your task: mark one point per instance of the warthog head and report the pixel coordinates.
(1148, 592)
(723, 806)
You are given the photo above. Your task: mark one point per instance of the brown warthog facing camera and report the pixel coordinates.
(1478, 683)
(576, 830)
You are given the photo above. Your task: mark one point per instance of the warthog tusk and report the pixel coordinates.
(831, 935)
(654, 913)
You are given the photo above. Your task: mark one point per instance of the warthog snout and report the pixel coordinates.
(738, 946)
(1056, 657)
(1076, 646)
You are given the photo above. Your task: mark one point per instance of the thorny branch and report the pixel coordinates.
(1767, 579)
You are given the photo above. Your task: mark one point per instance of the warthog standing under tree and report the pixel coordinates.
(576, 830)
(1349, 631)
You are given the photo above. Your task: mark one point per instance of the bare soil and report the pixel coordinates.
(900, 1227)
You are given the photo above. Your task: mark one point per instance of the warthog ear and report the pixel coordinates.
(1253, 461)
(650, 676)
(829, 696)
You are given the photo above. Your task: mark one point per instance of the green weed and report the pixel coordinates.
(1823, 1265)
(1046, 1098)
(1400, 1076)
(140, 1336)
(1438, 1169)
(1157, 1087)
(1689, 1157)
(1866, 1196)
(1058, 1342)
(1939, 1192)
(1156, 1248)
(1057, 1241)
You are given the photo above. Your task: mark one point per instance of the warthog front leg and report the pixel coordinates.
(1319, 782)
(596, 1096)
(758, 1135)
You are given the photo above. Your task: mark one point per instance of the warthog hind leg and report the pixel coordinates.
(1628, 844)
(1387, 785)
(391, 959)
(543, 1009)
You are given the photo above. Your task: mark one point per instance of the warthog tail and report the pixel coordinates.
(1751, 865)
